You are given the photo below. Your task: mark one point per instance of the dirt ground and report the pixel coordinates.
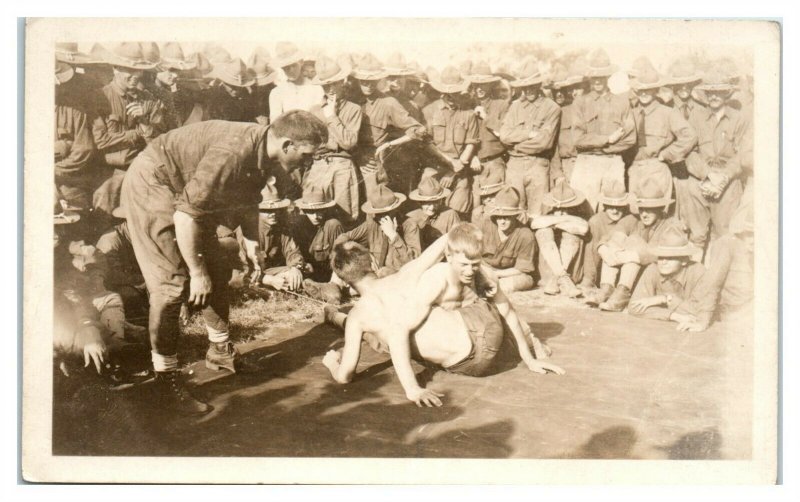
(633, 389)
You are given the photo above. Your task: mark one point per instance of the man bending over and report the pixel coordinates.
(448, 314)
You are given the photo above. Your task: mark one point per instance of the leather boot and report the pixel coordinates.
(601, 295)
(568, 287)
(225, 355)
(173, 395)
(551, 287)
(618, 299)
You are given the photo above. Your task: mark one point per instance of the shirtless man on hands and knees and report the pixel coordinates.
(450, 314)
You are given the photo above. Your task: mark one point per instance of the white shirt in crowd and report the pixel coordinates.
(290, 96)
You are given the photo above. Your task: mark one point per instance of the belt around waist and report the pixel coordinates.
(490, 158)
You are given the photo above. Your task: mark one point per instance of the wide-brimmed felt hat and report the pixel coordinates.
(639, 65)
(683, 71)
(131, 55)
(314, 198)
(599, 64)
(491, 184)
(715, 80)
(216, 54)
(527, 74)
(647, 78)
(612, 193)
(651, 195)
(260, 69)
(382, 200)
(270, 200)
(562, 196)
(286, 54)
(172, 58)
(202, 66)
(368, 67)
(64, 73)
(234, 73)
(429, 190)
(69, 53)
(673, 243)
(450, 81)
(506, 203)
(151, 53)
(396, 66)
(481, 73)
(329, 71)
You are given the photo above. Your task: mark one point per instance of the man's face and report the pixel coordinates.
(234, 91)
(669, 266)
(167, 77)
(504, 223)
(646, 96)
(293, 71)
(308, 70)
(334, 89)
(531, 92)
(431, 209)
(294, 155)
(716, 99)
(649, 215)
(126, 78)
(395, 83)
(683, 91)
(598, 84)
(315, 217)
(268, 217)
(560, 97)
(482, 91)
(464, 267)
(368, 87)
(614, 213)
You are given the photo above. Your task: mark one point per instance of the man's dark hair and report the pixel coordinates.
(351, 261)
(301, 127)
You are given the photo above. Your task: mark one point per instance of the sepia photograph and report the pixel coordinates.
(369, 250)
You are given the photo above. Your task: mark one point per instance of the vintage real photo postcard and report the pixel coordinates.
(401, 250)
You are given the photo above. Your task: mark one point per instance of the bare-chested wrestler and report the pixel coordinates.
(448, 314)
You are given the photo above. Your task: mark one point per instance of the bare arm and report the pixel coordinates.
(343, 369)
(189, 236)
(430, 257)
(400, 352)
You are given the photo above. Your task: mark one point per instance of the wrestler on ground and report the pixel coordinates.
(431, 311)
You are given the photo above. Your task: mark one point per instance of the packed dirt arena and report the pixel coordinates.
(309, 244)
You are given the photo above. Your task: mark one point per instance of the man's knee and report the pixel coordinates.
(519, 282)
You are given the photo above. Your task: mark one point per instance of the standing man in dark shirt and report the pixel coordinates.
(491, 111)
(174, 196)
(385, 123)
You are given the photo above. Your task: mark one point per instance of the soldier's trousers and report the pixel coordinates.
(530, 176)
(337, 176)
(149, 207)
(492, 169)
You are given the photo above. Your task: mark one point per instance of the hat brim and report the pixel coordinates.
(483, 79)
(549, 201)
(342, 75)
(686, 251)
(415, 196)
(527, 82)
(684, 80)
(636, 86)
(314, 207)
(176, 65)
(450, 88)
(288, 61)
(113, 60)
(715, 87)
(608, 201)
(367, 206)
(269, 206)
(568, 82)
(76, 58)
(261, 80)
(605, 71)
(491, 189)
(400, 72)
(217, 75)
(652, 203)
(503, 211)
(369, 75)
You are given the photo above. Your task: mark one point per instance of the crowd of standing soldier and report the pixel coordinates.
(173, 170)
